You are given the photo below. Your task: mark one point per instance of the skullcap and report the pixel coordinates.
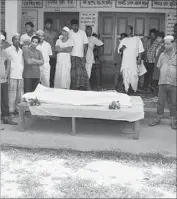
(169, 37)
(15, 35)
(66, 29)
(40, 32)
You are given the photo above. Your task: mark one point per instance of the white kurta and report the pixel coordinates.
(129, 68)
(46, 51)
(63, 67)
(93, 41)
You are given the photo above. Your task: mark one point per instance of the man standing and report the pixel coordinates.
(167, 82)
(93, 41)
(15, 55)
(150, 58)
(26, 38)
(175, 32)
(79, 76)
(131, 47)
(51, 37)
(46, 51)
(6, 118)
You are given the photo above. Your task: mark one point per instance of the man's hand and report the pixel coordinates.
(122, 49)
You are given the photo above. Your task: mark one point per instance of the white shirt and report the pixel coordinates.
(46, 51)
(17, 62)
(26, 37)
(79, 39)
(93, 41)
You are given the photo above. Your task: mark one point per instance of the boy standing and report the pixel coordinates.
(46, 51)
(167, 82)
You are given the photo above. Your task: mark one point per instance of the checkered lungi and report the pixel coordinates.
(16, 90)
(79, 76)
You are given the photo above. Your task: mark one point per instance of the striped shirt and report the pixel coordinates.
(151, 49)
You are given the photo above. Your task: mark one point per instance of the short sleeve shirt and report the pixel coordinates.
(167, 66)
(79, 39)
(46, 51)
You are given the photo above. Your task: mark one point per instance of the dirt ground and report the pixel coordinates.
(34, 173)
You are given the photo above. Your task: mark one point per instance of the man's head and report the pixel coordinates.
(35, 41)
(4, 34)
(175, 30)
(160, 36)
(48, 24)
(153, 33)
(16, 39)
(123, 35)
(75, 25)
(169, 42)
(129, 30)
(29, 27)
(88, 31)
(40, 34)
(65, 31)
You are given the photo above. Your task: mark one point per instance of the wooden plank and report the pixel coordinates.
(136, 130)
(73, 126)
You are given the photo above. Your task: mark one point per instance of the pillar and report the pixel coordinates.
(13, 13)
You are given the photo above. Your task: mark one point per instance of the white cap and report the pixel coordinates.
(15, 35)
(169, 38)
(2, 37)
(66, 29)
(40, 32)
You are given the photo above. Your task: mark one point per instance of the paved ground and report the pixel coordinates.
(93, 135)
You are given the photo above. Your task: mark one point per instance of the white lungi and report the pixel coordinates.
(45, 74)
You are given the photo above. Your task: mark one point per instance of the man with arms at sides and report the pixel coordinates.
(175, 32)
(15, 55)
(26, 38)
(93, 41)
(167, 82)
(46, 51)
(4, 75)
(51, 37)
(79, 76)
(131, 47)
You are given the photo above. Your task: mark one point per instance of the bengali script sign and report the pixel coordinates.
(164, 4)
(32, 3)
(88, 19)
(61, 3)
(132, 3)
(2, 4)
(2, 20)
(171, 19)
(29, 15)
(96, 3)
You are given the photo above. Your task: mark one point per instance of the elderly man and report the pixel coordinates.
(167, 82)
(46, 51)
(15, 55)
(4, 72)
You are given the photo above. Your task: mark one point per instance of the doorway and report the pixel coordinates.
(61, 19)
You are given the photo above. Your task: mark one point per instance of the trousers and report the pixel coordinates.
(4, 100)
(30, 84)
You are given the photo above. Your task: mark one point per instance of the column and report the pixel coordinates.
(13, 13)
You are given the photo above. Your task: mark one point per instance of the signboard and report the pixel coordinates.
(32, 3)
(164, 4)
(29, 15)
(88, 19)
(61, 3)
(2, 17)
(171, 19)
(96, 3)
(132, 4)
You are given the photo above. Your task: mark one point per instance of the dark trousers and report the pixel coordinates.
(148, 76)
(4, 99)
(52, 71)
(167, 92)
(30, 84)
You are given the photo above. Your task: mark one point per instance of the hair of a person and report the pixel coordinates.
(29, 24)
(153, 30)
(123, 34)
(50, 21)
(74, 22)
(160, 34)
(35, 37)
(4, 33)
(131, 27)
(95, 35)
(88, 27)
(175, 24)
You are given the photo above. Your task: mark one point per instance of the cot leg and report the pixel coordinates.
(73, 126)
(21, 123)
(136, 130)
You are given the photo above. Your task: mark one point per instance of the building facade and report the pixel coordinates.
(108, 18)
